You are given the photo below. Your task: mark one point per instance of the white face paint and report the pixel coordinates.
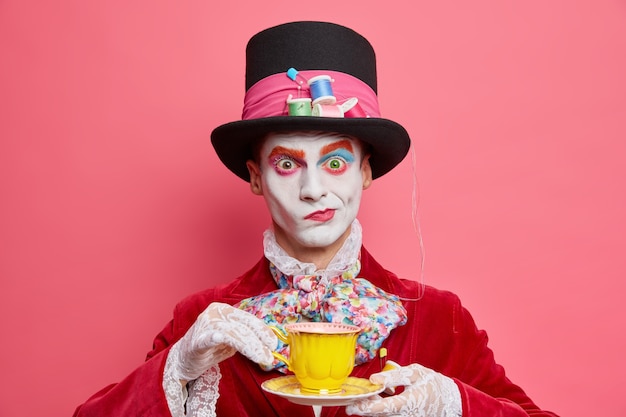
(312, 184)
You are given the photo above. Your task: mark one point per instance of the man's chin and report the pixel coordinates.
(320, 238)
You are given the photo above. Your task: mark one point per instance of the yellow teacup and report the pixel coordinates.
(321, 355)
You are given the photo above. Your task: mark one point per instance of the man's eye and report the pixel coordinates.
(285, 164)
(336, 164)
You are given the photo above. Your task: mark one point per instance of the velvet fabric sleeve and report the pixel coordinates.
(444, 337)
(140, 394)
(485, 389)
(441, 334)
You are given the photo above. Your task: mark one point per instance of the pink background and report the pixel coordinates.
(114, 206)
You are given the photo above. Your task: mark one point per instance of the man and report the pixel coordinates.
(311, 140)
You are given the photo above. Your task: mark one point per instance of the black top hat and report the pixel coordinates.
(310, 76)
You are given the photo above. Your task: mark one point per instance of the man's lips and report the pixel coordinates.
(321, 216)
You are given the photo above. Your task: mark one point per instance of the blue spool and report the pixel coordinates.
(321, 90)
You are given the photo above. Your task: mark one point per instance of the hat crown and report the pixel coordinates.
(310, 45)
(278, 62)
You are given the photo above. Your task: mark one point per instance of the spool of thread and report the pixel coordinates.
(299, 106)
(327, 110)
(321, 91)
(352, 108)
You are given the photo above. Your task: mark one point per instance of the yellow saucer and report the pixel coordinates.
(352, 390)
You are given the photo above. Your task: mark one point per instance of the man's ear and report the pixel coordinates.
(255, 177)
(366, 171)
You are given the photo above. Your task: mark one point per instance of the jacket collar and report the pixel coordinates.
(258, 280)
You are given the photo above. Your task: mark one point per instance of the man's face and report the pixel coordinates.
(312, 184)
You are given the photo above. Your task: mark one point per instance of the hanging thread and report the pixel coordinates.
(417, 229)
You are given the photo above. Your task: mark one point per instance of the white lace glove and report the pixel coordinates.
(426, 393)
(219, 332)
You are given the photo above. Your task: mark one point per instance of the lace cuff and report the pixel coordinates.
(451, 397)
(200, 400)
(203, 393)
(175, 392)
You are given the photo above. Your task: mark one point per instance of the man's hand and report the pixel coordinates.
(426, 393)
(219, 332)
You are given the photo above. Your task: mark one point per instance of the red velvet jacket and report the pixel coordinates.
(439, 334)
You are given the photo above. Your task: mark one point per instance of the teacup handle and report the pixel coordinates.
(281, 358)
(279, 334)
(283, 338)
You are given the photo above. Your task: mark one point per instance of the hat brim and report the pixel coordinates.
(234, 141)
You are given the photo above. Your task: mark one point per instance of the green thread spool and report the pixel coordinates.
(299, 106)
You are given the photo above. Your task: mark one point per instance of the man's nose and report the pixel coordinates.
(312, 187)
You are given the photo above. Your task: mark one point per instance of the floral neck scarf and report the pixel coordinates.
(334, 294)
